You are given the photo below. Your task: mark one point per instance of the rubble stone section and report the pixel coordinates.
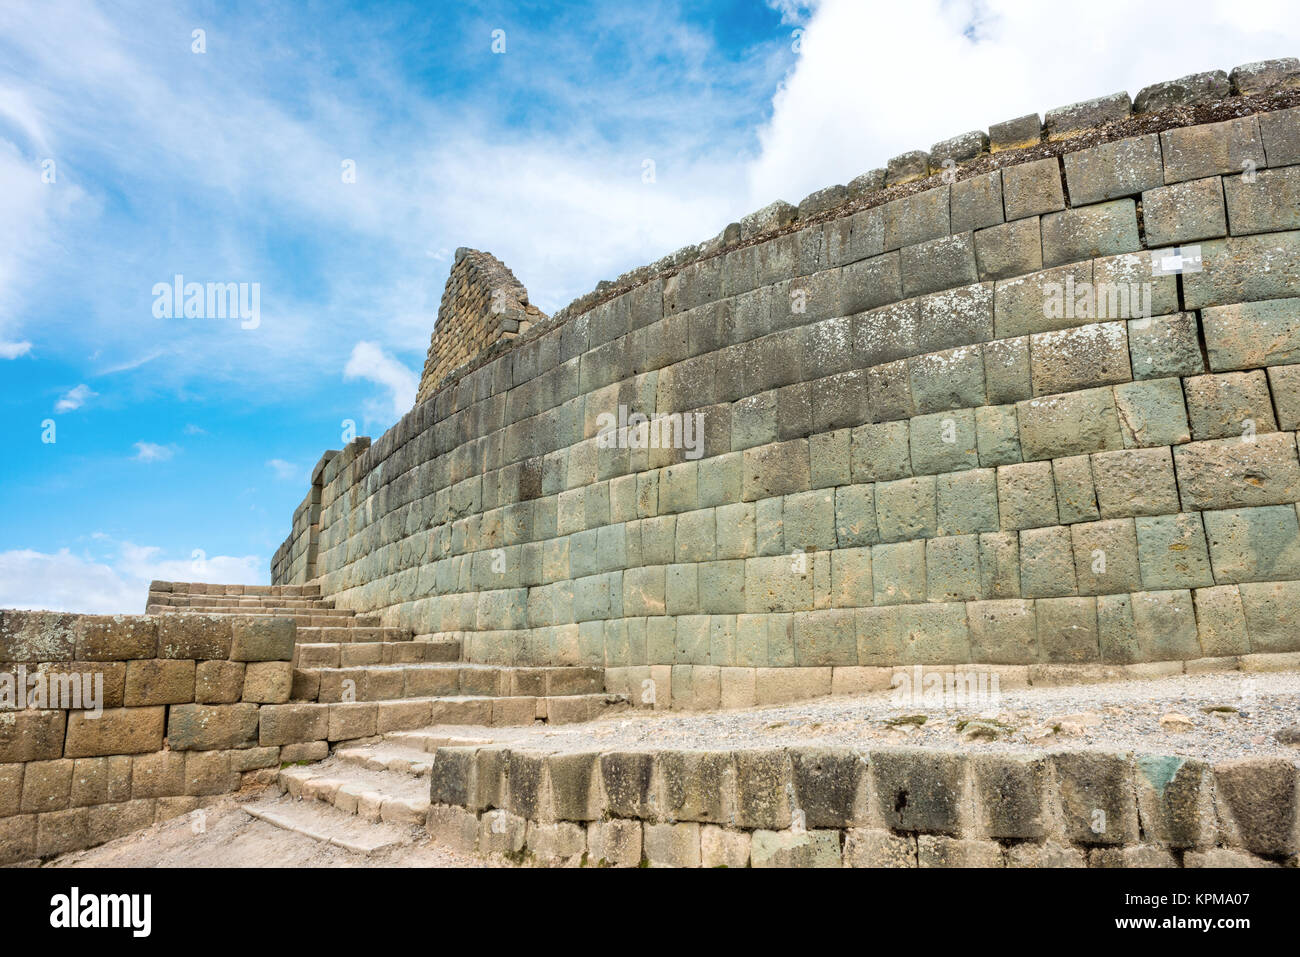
(969, 424)
(887, 807)
(482, 304)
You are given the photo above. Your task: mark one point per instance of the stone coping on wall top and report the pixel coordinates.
(1103, 120)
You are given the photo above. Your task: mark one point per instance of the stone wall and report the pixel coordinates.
(886, 807)
(483, 303)
(183, 718)
(933, 431)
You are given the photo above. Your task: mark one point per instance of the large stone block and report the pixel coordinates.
(1253, 544)
(1003, 632)
(1263, 202)
(1161, 346)
(919, 790)
(1070, 359)
(261, 639)
(1067, 629)
(199, 637)
(37, 636)
(117, 637)
(1110, 170)
(1234, 404)
(829, 786)
(1176, 800)
(1184, 212)
(778, 469)
(1097, 799)
(196, 727)
(160, 681)
(764, 786)
(116, 731)
(1086, 232)
(1070, 424)
(795, 849)
(1106, 556)
(967, 502)
(1135, 482)
(292, 724)
(1272, 612)
(1011, 795)
(1010, 249)
(1238, 472)
(1258, 804)
(1242, 270)
(1172, 552)
(1211, 149)
(1026, 495)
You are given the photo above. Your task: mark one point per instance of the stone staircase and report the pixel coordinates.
(345, 657)
(367, 797)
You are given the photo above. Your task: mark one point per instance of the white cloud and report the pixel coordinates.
(12, 350)
(151, 452)
(283, 470)
(368, 361)
(74, 399)
(112, 584)
(875, 80)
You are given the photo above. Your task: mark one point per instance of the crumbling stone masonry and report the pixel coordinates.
(482, 304)
(986, 405)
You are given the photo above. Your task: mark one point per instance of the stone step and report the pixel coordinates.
(393, 681)
(429, 740)
(350, 633)
(354, 654)
(351, 786)
(205, 588)
(300, 614)
(324, 822)
(363, 719)
(234, 601)
(391, 756)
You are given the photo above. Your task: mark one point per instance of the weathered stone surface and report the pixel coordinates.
(1185, 91)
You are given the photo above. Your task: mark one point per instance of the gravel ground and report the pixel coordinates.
(1228, 715)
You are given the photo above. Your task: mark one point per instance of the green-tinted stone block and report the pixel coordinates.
(943, 442)
(997, 434)
(967, 502)
(1152, 413)
(1067, 629)
(952, 568)
(1046, 563)
(906, 509)
(898, 572)
(1165, 622)
(1105, 556)
(1172, 551)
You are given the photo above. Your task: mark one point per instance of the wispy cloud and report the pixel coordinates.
(12, 350)
(74, 398)
(152, 452)
(369, 362)
(114, 582)
(937, 68)
(283, 470)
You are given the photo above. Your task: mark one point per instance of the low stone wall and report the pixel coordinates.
(897, 807)
(181, 716)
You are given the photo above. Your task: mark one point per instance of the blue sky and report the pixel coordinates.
(177, 438)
